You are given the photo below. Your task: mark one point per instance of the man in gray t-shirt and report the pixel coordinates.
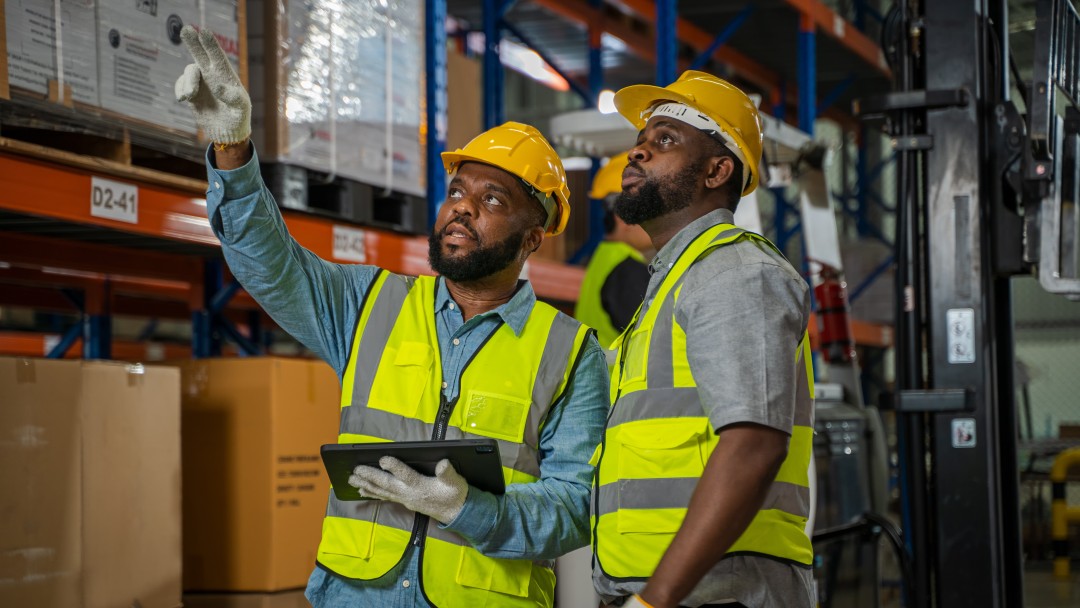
(701, 495)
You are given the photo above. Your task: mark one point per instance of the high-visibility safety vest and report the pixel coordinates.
(392, 391)
(659, 438)
(589, 309)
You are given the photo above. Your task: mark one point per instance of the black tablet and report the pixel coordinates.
(477, 460)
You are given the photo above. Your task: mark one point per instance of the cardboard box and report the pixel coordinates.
(140, 54)
(90, 466)
(257, 490)
(31, 49)
(285, 599)
(464, 99)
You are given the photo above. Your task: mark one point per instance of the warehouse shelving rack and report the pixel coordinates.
(56, 254)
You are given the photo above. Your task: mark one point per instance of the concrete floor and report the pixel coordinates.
(1042, 590)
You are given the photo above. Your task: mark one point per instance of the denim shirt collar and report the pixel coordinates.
(515, 312)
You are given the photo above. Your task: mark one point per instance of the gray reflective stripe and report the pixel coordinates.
(517, 456)
(380, 423)
(679, 402)
(527, 459)
(549, 374)
(727, 234)
(646, 494)
(661, 371)
(384, 313)
(676, 493)
(804, 404)
(382, 512)
(789, 498)
(434, 531)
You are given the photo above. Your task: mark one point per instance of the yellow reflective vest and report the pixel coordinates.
(659, 438)
(392, 391)
(589, 308)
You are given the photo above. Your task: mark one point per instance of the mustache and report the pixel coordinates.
(632, 168)
(463, 225)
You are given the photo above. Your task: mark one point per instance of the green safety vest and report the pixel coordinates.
(658, 440)
(392, 391)
(589, 309)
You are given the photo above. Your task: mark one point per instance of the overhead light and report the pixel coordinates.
(606, 102)
(528, 62)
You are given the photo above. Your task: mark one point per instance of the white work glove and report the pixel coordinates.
(441, 496)
(221, 106)
(636, 602)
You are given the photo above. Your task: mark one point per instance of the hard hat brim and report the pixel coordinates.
(634, 100)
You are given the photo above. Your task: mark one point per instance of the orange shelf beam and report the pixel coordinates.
(20, 344)
(46, 189)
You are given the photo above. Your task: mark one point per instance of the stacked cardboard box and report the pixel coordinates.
(255, 488)
(90, 471)
(120, 58)
(284, 599)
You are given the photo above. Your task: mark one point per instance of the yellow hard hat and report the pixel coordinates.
(608, 179)
(723, 103)
(521, 150)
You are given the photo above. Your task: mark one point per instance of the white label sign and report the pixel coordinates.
(960, 323)
(963, 433)
(349, 244)
(114, 200)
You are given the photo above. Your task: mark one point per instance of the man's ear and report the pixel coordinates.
(720, 171)
(533, 239)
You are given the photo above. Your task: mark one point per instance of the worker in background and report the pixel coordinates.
(617, 275)
(702, 488)
(470, 354)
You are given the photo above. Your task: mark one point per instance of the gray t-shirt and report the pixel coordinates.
(744, 310)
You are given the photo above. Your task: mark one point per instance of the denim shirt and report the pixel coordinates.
(318, 303)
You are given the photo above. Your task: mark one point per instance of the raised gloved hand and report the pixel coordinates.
(441, 496)
(221, 106)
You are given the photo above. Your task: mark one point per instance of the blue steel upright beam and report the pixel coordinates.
(205, 337)
(667, 45)
(834, 94)
(596, 55)
(435, 64)
(724, 35)
(807, 73)
(493, 70)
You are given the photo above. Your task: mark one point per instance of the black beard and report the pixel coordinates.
(481, 262)
(657, 197)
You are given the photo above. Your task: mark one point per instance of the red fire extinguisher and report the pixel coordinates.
(837, 344)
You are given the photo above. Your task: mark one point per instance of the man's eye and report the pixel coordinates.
(454, 193)
(491, 200)
(666, 139)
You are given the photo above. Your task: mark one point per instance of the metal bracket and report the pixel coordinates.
(938, 401)
(879, 105)
(912, 142)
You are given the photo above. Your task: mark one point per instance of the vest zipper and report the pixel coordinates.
(442, 419)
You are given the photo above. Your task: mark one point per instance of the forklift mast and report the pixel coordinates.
(983, 193)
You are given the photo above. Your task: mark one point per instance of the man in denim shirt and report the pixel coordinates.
(495, 215)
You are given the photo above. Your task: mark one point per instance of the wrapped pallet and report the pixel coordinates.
(107, 67)
(338, 88)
